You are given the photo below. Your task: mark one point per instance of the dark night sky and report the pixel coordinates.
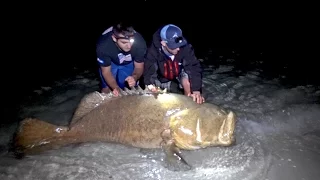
(48, 40)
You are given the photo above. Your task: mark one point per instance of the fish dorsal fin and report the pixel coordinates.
(123, 93)
(134, 91)
(140, 90)
(137, 91)
(88, 103)
(128, 91)
(94, 99)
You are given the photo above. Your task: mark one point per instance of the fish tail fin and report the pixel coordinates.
(33, 134)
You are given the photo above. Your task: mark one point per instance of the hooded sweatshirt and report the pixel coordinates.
(158, 65)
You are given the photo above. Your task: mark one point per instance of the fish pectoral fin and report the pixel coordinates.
(174, 160)
(150, 153)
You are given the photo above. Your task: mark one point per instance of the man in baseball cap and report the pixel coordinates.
(170, 63)
(172, 36)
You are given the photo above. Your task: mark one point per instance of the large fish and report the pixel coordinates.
(138, 118)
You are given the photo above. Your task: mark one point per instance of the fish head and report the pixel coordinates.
(203, 126)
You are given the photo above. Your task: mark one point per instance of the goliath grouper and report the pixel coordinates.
(138, 118)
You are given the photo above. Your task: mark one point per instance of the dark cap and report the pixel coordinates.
(172, 34)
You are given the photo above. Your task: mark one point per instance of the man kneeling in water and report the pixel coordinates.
(120, 55)
(170, 63)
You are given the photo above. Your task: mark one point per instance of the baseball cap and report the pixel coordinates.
(172, 34)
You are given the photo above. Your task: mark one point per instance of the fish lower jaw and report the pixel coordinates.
(188, 147)
(225, 140)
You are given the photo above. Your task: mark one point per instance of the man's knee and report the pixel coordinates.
(174, 87)
(105, 90)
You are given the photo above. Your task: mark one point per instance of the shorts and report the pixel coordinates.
(169, 85)
(120, 73)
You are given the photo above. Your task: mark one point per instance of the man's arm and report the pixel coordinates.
(150, 67)
(107, 74)
(193, 69)
(104, 62)
(138, 70)
(140, 51)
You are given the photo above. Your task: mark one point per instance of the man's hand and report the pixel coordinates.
(131, 81)
(197, 97)
(152, 88)
(116, 91)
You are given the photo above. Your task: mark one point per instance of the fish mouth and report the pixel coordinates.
(189, 146)
(185, 144)
(226, 133)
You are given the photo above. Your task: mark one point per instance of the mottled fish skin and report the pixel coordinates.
(138, 118)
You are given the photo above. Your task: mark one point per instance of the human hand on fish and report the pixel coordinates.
(152, 88)
(147, 125)
(116, 91)
(131, 81)
(197, 97)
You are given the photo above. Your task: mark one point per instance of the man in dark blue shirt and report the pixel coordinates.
(120, 55)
